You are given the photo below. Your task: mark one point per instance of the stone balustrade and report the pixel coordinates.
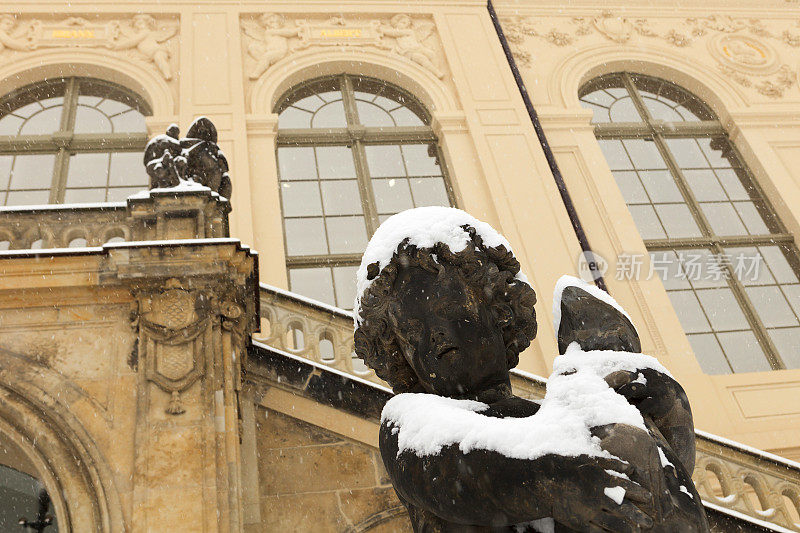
(53, 226)
(728, 475)
(191, 213)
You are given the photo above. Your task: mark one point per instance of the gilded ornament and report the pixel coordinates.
(744, 53)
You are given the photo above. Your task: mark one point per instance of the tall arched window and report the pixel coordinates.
(351, 152)
(729, 266)
(71, 140)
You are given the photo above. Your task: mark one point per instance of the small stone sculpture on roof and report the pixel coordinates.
(443, 313)
(169, 160)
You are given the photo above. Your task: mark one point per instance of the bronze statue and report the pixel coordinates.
(169, 159)
(432, 320)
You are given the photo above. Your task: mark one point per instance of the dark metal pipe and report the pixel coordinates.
(548, 152)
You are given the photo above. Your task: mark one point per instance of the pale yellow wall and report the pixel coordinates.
(498, 168)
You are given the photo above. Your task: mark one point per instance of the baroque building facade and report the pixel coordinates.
(182, 361)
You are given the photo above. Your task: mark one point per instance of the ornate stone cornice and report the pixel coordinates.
(271, 37)
(139, 36)
(742, 47)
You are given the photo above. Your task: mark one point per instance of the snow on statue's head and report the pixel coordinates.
(437, 280)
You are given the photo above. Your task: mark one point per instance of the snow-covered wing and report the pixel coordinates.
(571, 281)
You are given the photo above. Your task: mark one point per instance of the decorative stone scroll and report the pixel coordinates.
(141, 35)
(270, 38)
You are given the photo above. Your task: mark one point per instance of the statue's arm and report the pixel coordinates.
(483, 487)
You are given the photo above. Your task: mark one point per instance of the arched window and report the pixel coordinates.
(351, 152)
(726, 260)
(71, 140)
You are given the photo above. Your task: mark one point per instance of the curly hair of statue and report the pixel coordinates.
(491, 270)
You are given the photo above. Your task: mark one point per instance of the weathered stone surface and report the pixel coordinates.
(277, 430)
(302, 512)
(316, 468)
(359, 505)
(310, 475)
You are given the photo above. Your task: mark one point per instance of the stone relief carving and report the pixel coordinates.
(617, 28)
(744, 53)
(270, 38)
(142, 36)
(269, 41)
(738, 45)
(14, 36)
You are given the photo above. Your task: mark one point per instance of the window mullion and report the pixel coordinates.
(349, 101)
(70, 106)
(61, 166)
(59, 176)
(683, 186)
(638, 103)
(759, 330)
(365, 186)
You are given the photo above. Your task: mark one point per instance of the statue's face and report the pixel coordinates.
(274, 22)
(403, 23)
(448, 333)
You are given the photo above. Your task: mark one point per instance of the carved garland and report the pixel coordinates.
(141, 36)
(740, 56)
(270, 38)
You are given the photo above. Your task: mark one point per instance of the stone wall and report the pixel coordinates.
(308, 474)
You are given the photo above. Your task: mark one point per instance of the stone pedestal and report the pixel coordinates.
(196, 305)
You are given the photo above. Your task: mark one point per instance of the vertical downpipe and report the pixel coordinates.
(548, 152)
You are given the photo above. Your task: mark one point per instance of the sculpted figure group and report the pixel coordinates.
(443, 324)
(269, 40)
(170, 159)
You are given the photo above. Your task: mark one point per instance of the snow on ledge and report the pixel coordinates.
(65, 207)
(571, 281)
(184, 186)
(423, 227)
(749, 449)
(124, 244)
(577, 399)
(322, 366)
(306, 300)
(746, 518)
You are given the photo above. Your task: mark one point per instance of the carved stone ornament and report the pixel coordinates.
(172, 328)
(141, 36)
(744, 53)
(271, 38)
(618, 29)
(740, 56)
